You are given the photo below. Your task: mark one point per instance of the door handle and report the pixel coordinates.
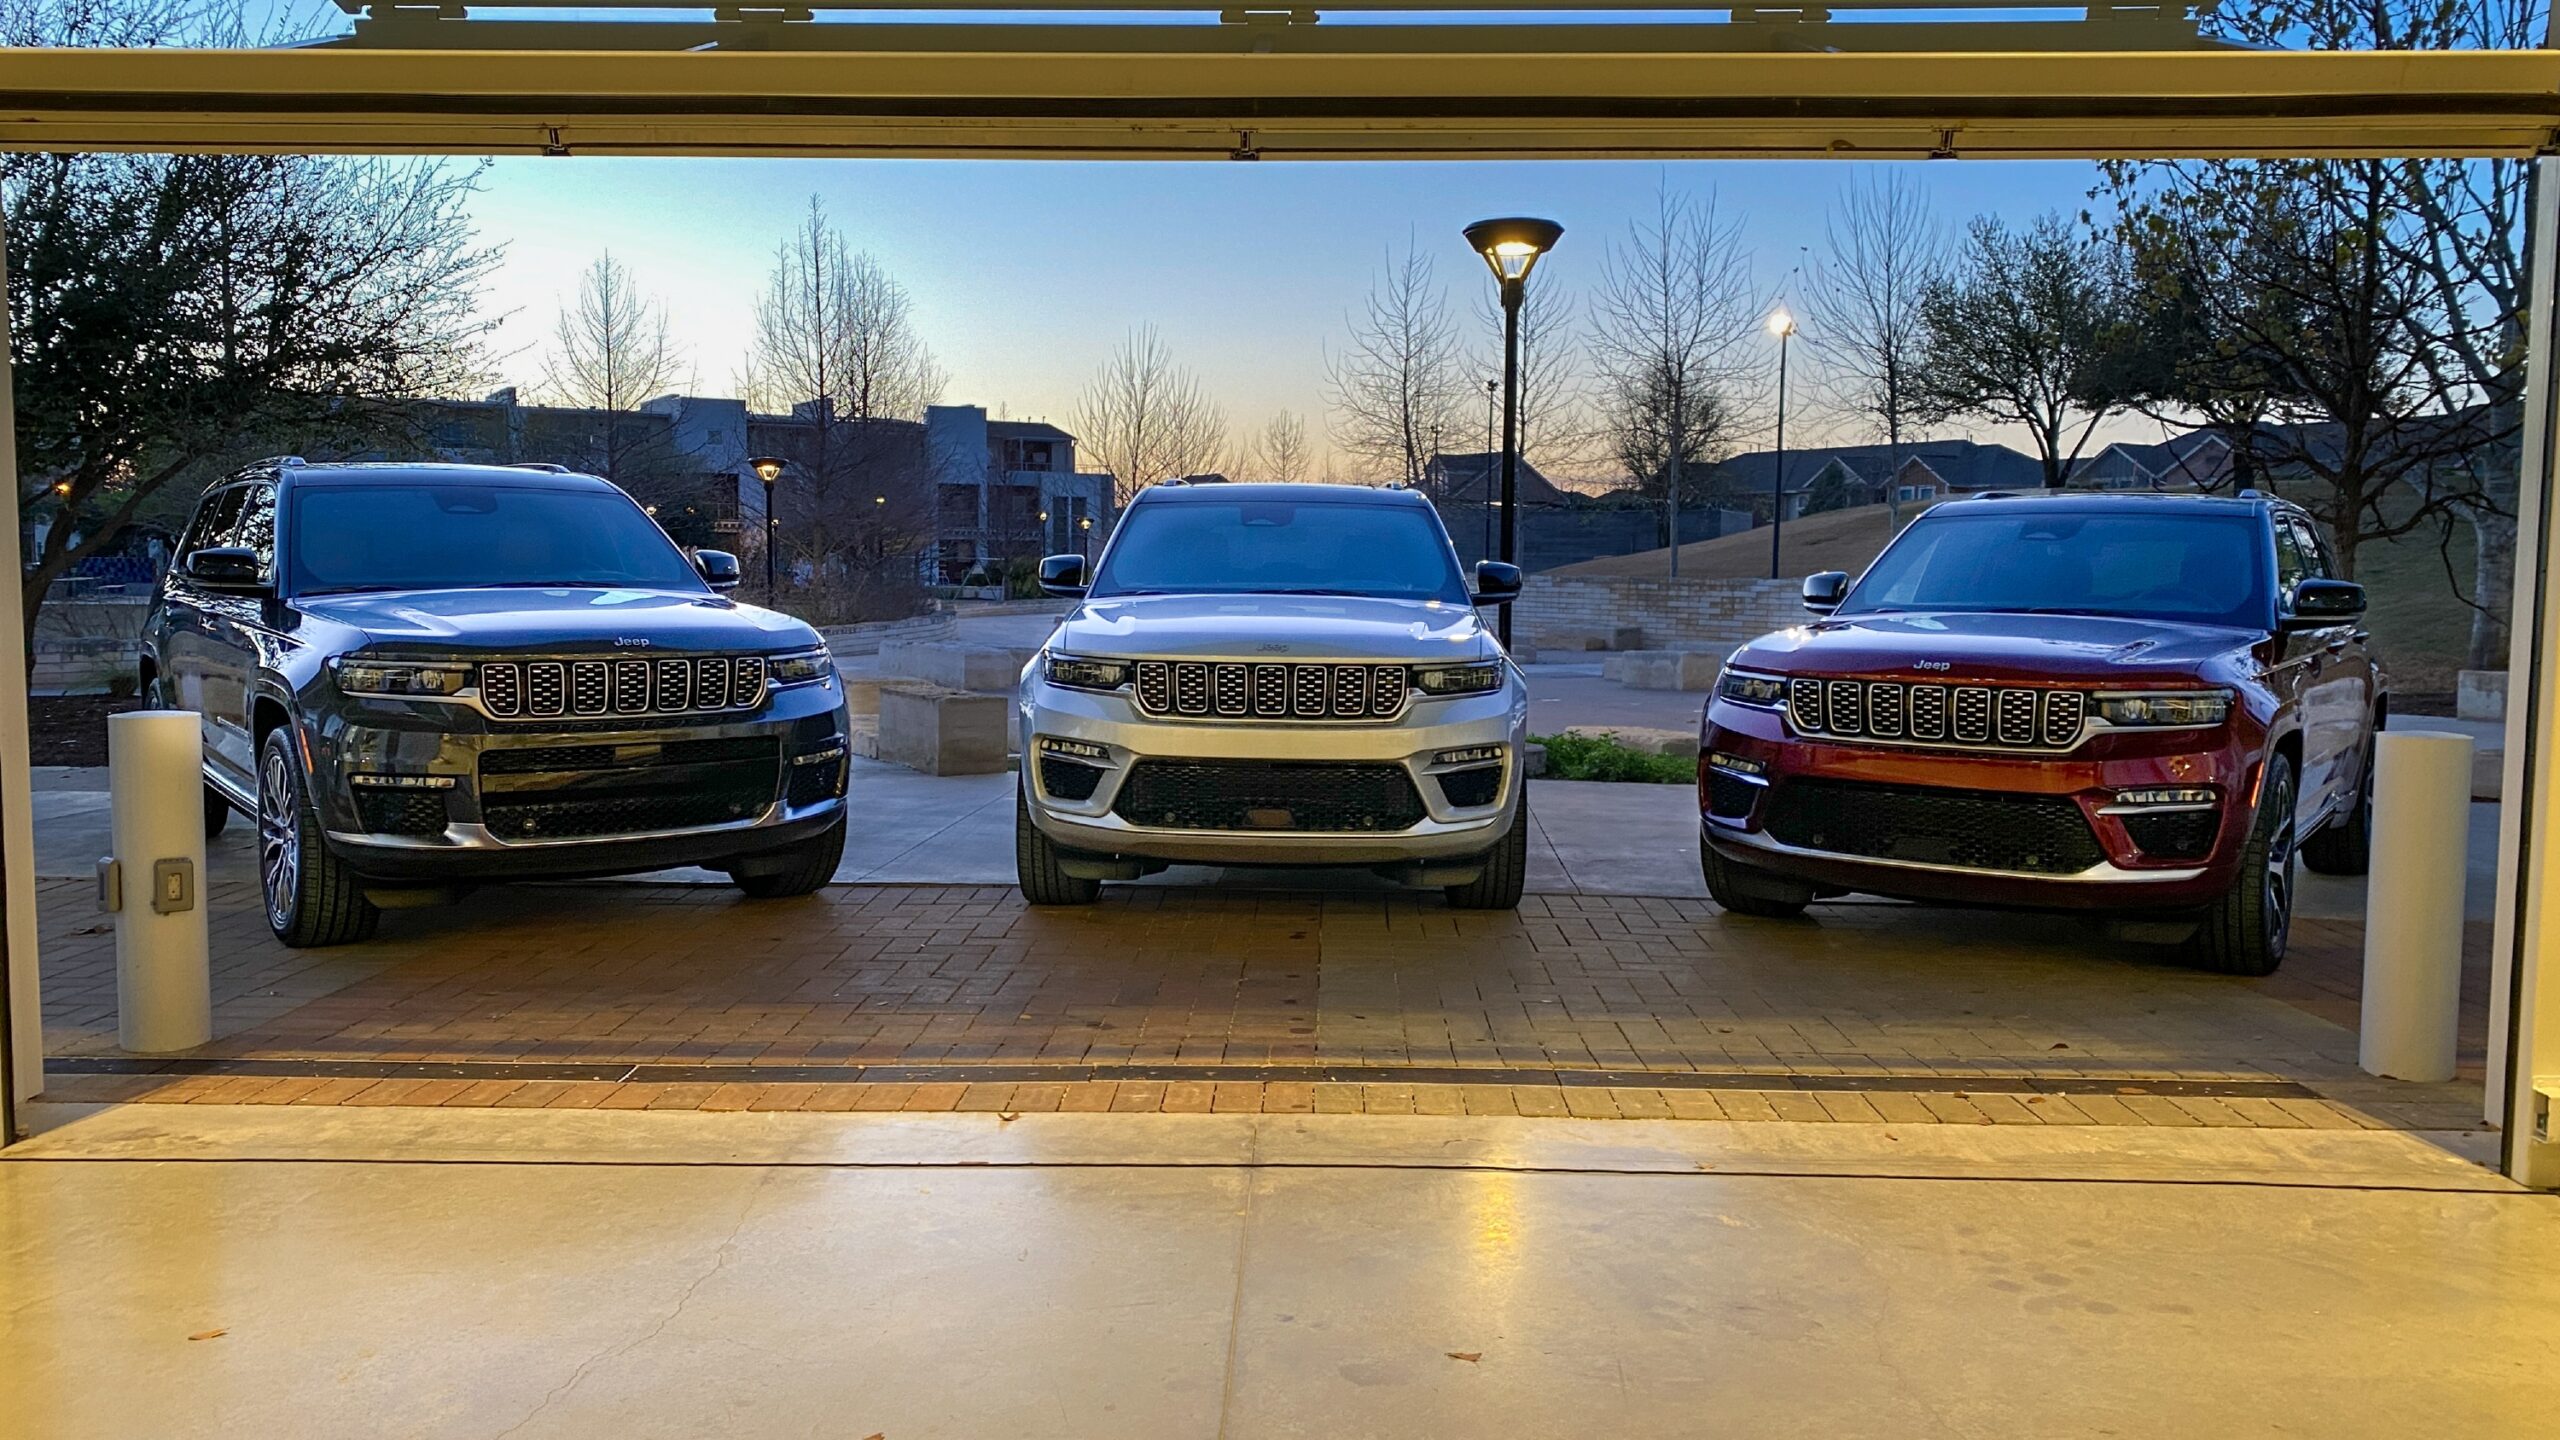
(2336, 643)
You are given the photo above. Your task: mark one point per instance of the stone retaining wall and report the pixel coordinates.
(867, 639)
(82, 645)
(1674, 614)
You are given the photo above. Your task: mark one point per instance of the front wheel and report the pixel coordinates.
(1745, 890)
(795, 869)
(1505, 873)
(1036, 867)
(312, 897)
(217, 812)
(2244, 932)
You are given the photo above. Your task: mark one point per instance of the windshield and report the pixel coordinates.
(1280, 547)
(2210, 569)
(435, 537)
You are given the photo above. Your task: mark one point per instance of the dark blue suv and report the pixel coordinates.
(423, 677)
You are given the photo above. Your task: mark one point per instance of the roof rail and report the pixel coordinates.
(544, 466)
(279, 461)
(1992, 495)
(2254, 493)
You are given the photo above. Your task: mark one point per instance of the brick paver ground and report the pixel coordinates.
(962, 998)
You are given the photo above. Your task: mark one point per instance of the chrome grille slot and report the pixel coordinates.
(1350, 691)
(675, 685)
(2062, 715)
(1928, 712)
(1191, 688)
(546, 687)
(1234, 689)
(747, 681)
(1155, 687)
(1884, 710)
(1306, 691)
(1386, 692)
(1973, 716)
(502, 688)
(2017, 717)
(1271, 689)
(1847, 705)
(711, 685)
(630, 686)
(1804, 703)
(590, 686)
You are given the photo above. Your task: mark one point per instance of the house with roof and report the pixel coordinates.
(2197, 460)
(1829, 477)
(1475, 478)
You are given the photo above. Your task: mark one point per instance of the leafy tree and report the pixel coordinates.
(2026, 328)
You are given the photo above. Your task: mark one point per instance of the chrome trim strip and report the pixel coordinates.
(465, 835)
(2158, 809)
(2104, 872)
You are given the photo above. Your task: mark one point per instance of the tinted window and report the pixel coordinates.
(422, 537)
(2208, 568)
(215, 516)
(256, 527)
(1281, 547)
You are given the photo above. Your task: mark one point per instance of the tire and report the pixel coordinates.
(217, 812)
(1035, 864)
(312, 898)
(2244, 932)
(1748, 891)
(802, 867)
(1506, 871)
(2344, 846)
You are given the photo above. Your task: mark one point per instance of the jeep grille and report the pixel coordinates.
(600, 688)
(1990, 717)
(1236, 690)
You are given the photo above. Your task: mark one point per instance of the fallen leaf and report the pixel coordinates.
(2058, 1045)
(1007, 1117)
(1470, 1356)
(209, 1334)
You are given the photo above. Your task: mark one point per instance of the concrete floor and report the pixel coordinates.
(209, 1271)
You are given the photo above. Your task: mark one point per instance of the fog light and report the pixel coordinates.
(402, 782)
(2165, 797)
(1735, 765)
(819, 757)
(1076, 749)
(1472, 755)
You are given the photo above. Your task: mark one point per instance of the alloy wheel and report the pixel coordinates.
(2279, 877)
(279, 839)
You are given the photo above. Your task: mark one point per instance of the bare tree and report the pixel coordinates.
(1280, 452)
(610, 351)
(1882, 251)
(1668, 330)
(1399, 382)
(835, 343)
(1145, 418)
(2028, 327)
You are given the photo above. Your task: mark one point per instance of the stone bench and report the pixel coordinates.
(1663, 669)
(937, 730)
(955, 666)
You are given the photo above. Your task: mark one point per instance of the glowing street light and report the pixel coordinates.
(768, 469)
(1511, 247)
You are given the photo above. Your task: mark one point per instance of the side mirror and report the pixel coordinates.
(1496, 583)
(1824, 592)
(1062, 575)
(719, 568)
(225, 567)
(2318, 604)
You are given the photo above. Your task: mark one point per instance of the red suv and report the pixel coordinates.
(2148, 705)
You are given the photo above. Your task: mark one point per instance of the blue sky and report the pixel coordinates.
(1025, 274)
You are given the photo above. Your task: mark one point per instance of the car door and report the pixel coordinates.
(2344, 690)
(186, 632)
(2298, 673)
(237, 634)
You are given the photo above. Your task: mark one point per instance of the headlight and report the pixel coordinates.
(1744, 688)
(2166, 708)
(359, 676)
(1078, 672)
(799, 668)
(1459, 679)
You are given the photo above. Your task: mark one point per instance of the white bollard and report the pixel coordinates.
(2413, 905)
(164, 978)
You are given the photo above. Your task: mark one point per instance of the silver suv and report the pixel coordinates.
(1274, 675)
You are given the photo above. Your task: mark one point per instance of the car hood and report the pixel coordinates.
(1967, 645)
(1274, 627)
(563, 618)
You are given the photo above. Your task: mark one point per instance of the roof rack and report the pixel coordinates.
(544, 466)
(1992, 495)
(279, 461)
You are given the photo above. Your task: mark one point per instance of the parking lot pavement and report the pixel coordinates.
(1196, 999)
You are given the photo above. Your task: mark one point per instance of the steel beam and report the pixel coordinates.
(1395, 94)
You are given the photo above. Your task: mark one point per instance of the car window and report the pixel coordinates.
(2315, 550)
(216, 514)
(2023, 557)
(2292, 567)
(256, 527)
(438, 536)
(1267, 547)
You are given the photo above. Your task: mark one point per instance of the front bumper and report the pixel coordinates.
(489, 829)
(1413, 743)
(2122, 875)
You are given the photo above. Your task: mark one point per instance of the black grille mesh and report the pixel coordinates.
(568, 689)
(1069, 780)
(536, 759)
(1466, 788)
(2012, 717)
(815, 781)
(413, 813)
(2176, 835)
(1971, 829)
(1730, 795)
(1269, 795)
(526, 817)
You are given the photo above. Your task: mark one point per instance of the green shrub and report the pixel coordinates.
(1604, 757)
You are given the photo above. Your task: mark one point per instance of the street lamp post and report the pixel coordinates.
(1782, 325)
(1492, 407)
(1511, 247)
(768, 469)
